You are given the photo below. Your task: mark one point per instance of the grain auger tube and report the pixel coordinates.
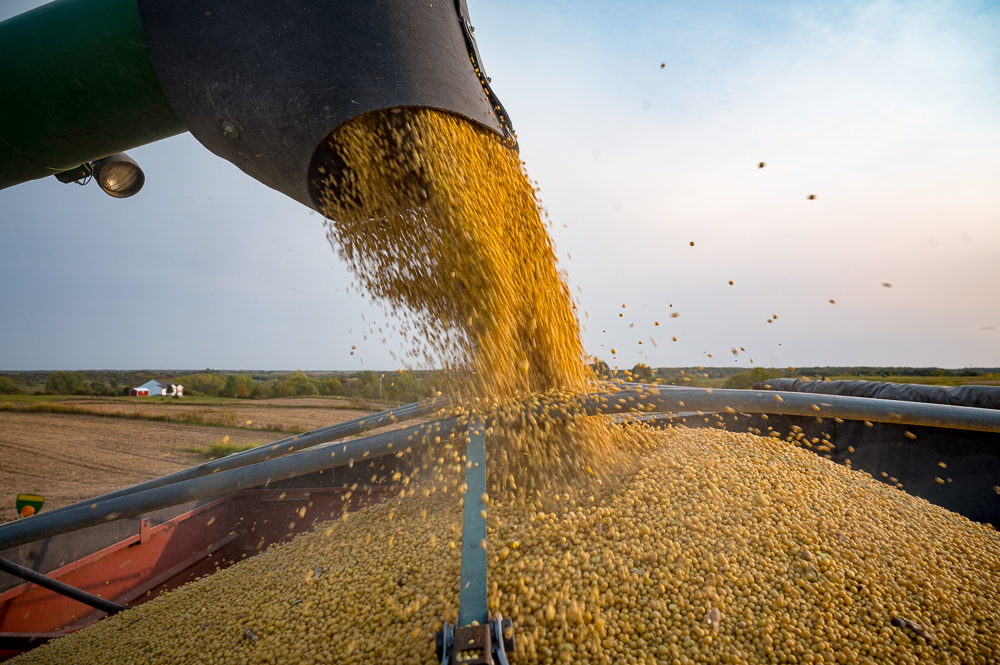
(260, 83)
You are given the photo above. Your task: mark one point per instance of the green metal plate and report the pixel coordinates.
(78, 84)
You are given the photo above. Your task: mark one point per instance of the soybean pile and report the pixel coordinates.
(717, 547)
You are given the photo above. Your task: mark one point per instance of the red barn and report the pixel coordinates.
(138, 392)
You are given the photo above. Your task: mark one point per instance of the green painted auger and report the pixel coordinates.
(260, 83)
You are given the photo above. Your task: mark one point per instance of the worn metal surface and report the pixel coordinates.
(61, 588)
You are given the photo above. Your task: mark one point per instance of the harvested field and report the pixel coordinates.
(70, 457)
(322, 403)
(299, 417)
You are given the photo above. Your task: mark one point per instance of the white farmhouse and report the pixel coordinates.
(160, 387)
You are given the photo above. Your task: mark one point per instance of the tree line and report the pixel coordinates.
(735, 377)
(407, 385)
(399, 386)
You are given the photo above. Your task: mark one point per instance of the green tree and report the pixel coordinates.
(296, 384)
(352, 386)
(7, 386)
(261, 390)
(230, 387)
(370, 390)
(330, 386)
(641, 373)
(402, 386)
(284, 389)
(100, 388)
(601, 369)
(303, 384)
(66, 383)
(238, 385)
(204, 384)
(369, 384)
(745, 380)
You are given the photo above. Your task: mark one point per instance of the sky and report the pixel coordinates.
(887, 112)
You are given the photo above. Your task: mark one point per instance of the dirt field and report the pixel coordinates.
(299, 415)
(68, 458)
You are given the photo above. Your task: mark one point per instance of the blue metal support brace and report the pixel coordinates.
(472, 595)
(488, 642)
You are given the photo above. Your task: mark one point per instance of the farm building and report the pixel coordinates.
(158, 387)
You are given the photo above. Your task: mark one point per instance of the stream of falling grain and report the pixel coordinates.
(436, 216)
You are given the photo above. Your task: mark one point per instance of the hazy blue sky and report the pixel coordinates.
(889, 112)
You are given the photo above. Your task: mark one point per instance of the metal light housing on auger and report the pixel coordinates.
(117, 175)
